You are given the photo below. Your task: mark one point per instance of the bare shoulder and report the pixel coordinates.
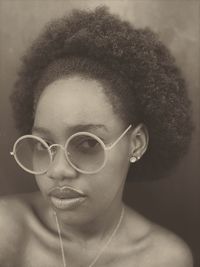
(13, 213)
(156, 246)
(170, 249)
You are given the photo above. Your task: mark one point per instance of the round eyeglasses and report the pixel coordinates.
(84, 151)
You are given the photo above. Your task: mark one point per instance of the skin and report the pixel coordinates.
(29, 234)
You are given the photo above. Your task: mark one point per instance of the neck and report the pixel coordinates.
(101, 251)
(97, 228)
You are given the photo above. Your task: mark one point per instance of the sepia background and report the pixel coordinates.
(173, 202)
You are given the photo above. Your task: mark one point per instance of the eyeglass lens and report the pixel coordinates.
(33, 154)
(84, 152)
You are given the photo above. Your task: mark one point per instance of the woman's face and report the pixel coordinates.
(71, 105)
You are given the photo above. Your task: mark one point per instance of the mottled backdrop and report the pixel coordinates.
(174, 202)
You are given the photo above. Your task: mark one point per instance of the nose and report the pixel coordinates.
(60, 169)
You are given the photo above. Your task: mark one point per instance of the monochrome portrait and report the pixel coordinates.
(100, 126)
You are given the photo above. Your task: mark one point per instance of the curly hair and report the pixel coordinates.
(139, 69)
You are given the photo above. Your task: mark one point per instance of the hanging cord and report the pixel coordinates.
(60, 239)
(101, 250)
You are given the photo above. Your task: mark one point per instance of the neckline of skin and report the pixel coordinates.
(108, 238)
(76, 234)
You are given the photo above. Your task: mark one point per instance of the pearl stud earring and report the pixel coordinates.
(133, 159)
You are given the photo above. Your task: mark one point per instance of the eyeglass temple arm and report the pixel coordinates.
(119, 138)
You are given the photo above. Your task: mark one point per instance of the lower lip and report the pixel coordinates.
(64, 203)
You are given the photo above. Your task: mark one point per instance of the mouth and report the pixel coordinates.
(66, 197)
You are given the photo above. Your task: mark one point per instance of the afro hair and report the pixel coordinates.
(152, 80)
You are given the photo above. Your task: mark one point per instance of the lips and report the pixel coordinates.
(66, 197)
(66, 192)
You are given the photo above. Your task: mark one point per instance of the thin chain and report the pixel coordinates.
(61, 242)
(109, 240)
(101, 250)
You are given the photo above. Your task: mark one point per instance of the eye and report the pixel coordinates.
(84, 144)
(89, 143)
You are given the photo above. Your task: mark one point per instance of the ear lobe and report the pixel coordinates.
(139, 141)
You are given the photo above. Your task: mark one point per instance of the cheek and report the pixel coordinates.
(118, 162)
(110, 180)
(42, 184)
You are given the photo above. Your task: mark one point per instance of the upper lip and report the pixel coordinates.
(66, 192)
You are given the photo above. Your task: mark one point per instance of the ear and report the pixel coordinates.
(139, 142)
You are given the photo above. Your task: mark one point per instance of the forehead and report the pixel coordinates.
(74, 100)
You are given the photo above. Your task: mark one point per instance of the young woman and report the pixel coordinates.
(97, 103)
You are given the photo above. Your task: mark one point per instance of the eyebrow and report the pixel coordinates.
(73, 128)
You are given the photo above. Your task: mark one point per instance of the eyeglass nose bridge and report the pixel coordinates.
(56, 145)
(51, 148)
(53, 152)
